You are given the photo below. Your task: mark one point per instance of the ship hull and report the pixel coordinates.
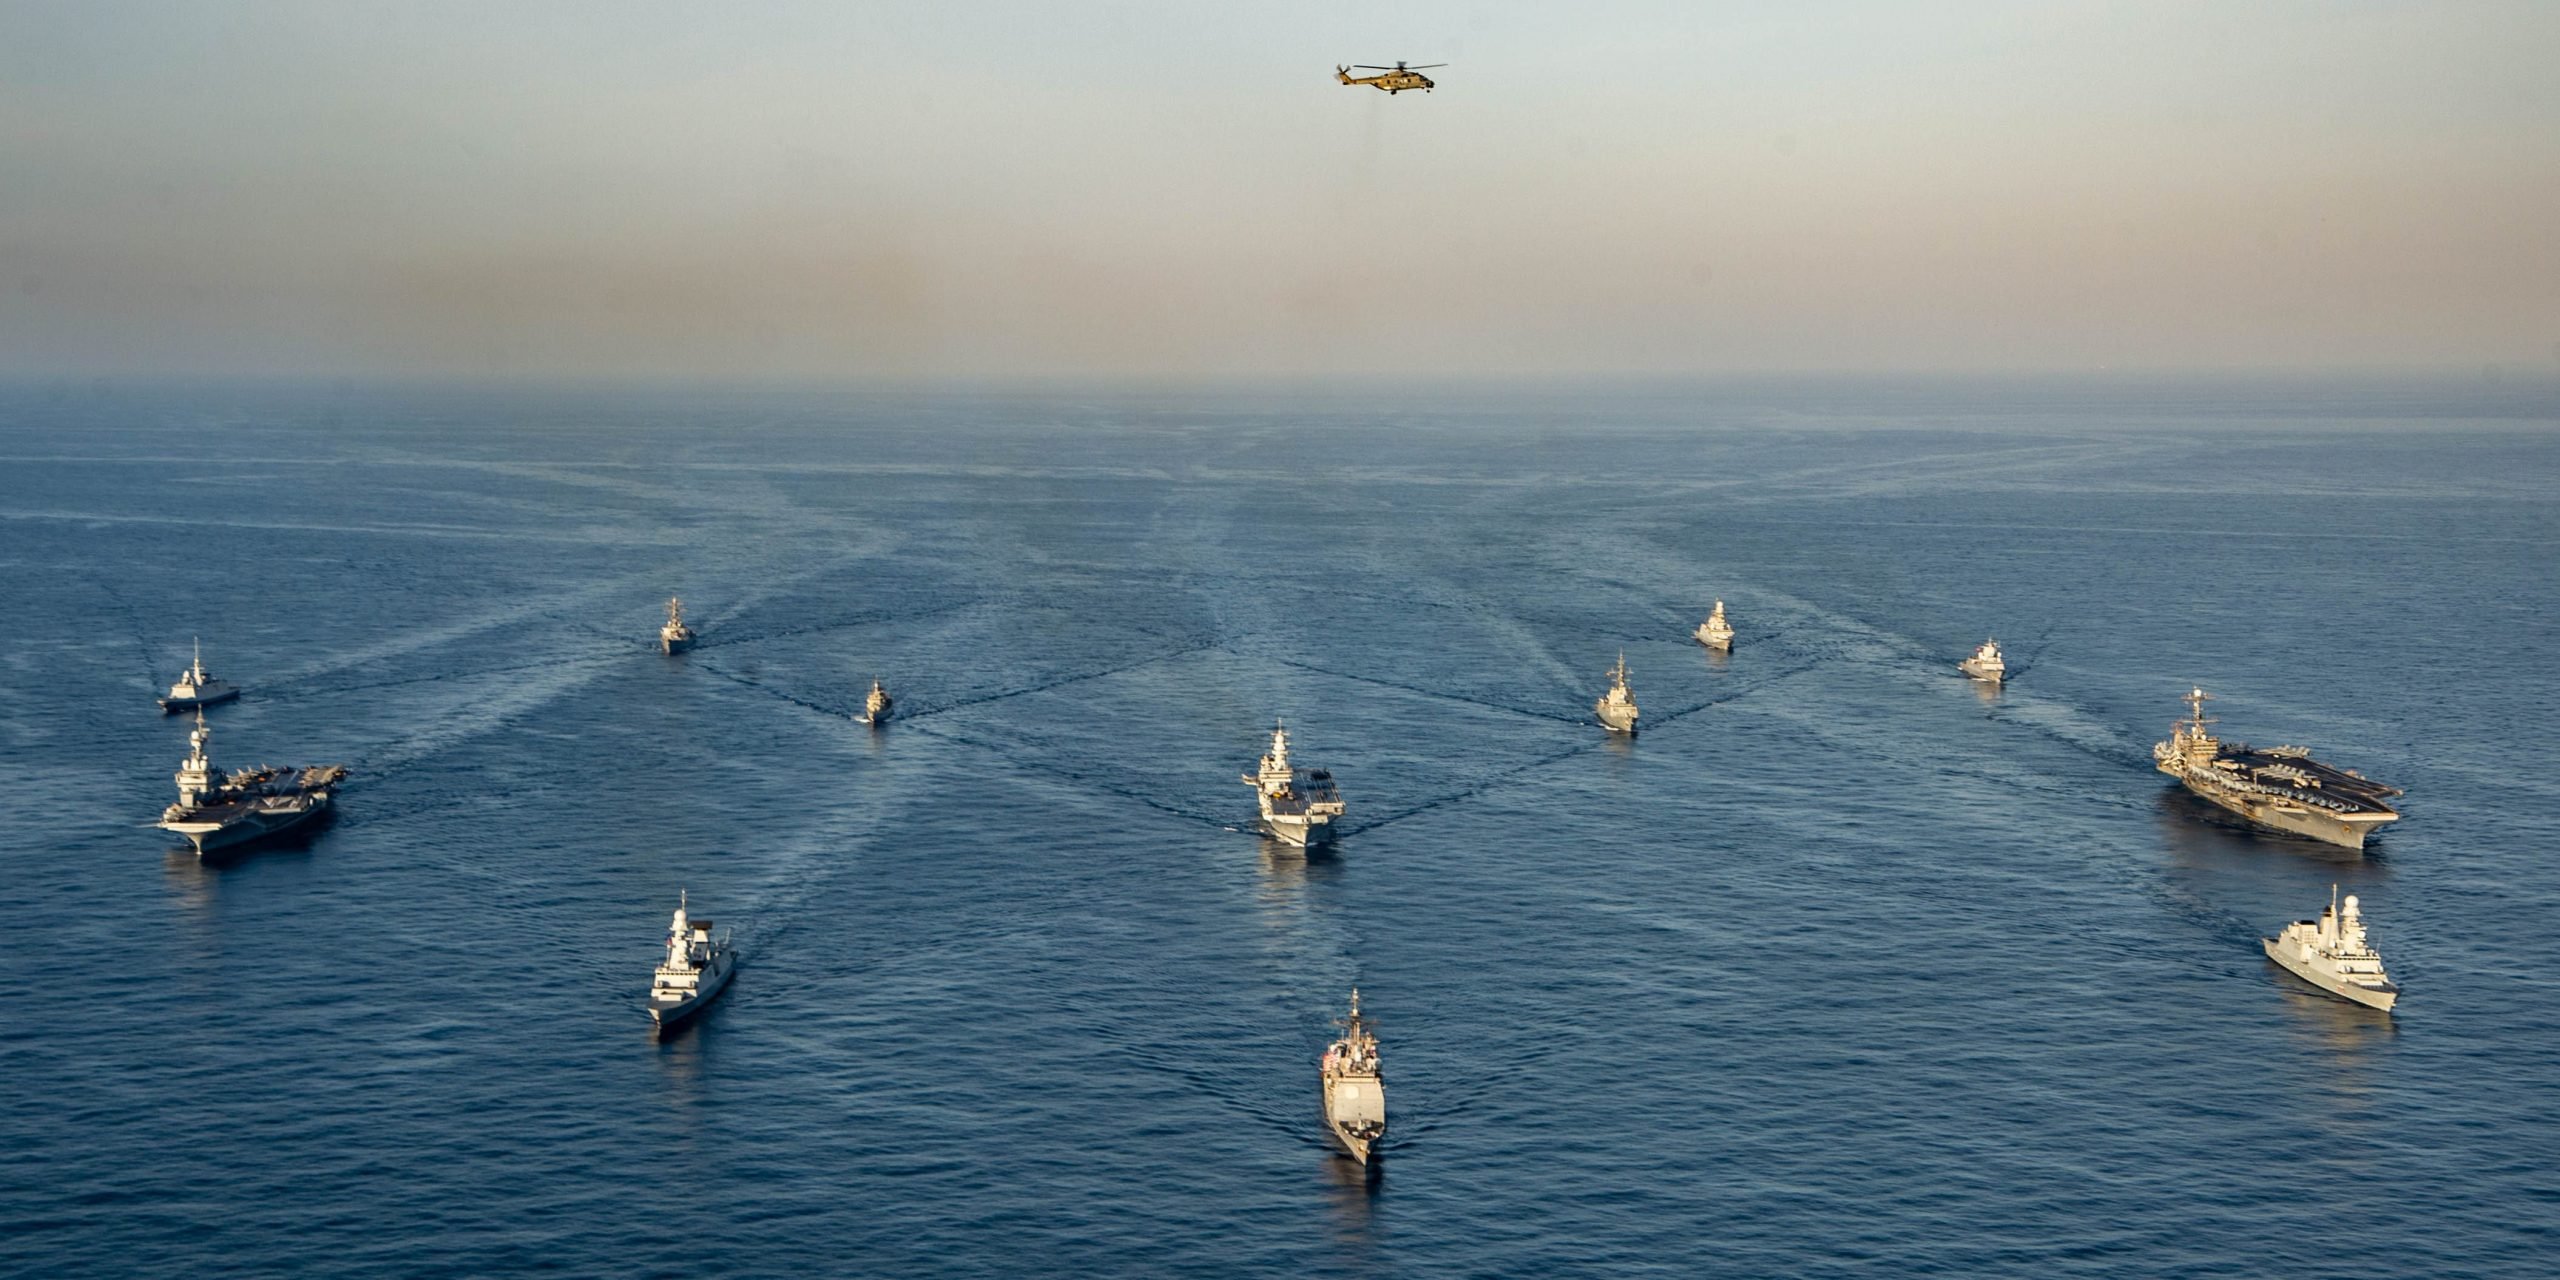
(1982, 673)
(1719, 643)
(673, 647)
(2345, 832)
(172, 706)
(2370, 997)
(1355, 1147)
(1298, 832)
(1618, 724)
(208, 837)
(672, 1014)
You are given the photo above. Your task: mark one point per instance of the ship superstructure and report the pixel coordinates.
(694, 972)
(216, 810)
(1986, 664)
(197, 688)
(675, 637)
(876, 706)
(1716, 633)
(1617, 707)
(1355, 1094)
(2278, 787)
(2332, 953)
(1298, 805)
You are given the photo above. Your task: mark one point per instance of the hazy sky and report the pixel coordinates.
(728, 189)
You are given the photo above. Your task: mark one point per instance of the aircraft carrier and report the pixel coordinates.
(1298, 805)
(2278, 787)
(216, 810)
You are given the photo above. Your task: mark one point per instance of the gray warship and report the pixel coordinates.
(197, 688)
(2331, 953)
(1617, 707)
(2278, 787)
(1355, 1096)
(696, 970)
(675, 637)
(1298, 805)
(876, 706)
(216, 810)
(1716, 633)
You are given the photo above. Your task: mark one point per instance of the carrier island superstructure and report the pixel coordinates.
(1298, 805)
(2278, 787)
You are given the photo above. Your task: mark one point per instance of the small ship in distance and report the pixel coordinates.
(197, 688)
(216, 810)
(695, 971)
(1617, 708)
(1298, 805)
(675, 637)
(876, 705)
(1716, 633)
(1986, 664)
(1355, 1095)
(2278, 787)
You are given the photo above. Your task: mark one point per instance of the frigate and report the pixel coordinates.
(1355, 1096)
(1617, 707)
(216, 810)
(2331, 953)
(1715, 633)
(694, 972)
(1298, 805)
(875, 708)
(1986, 664)
(675, 637)
(197, 688)
(2278, 787)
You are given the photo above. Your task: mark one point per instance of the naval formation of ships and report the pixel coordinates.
(2279, 788)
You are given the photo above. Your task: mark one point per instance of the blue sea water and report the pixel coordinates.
(1843, 968)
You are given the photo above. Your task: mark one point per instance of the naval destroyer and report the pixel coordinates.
(216, 810)
(1298, 805)
(875, 707)
(197, 688)
(675, 637)
(1716, 633)
(694, 973)
(1986, 664)
(1617, 707)
(1355, 1096)
(2331, 953)
(2279, 787)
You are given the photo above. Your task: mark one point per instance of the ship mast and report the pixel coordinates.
(2195, 704)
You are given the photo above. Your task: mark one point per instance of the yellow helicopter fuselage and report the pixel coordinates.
(1392, 82)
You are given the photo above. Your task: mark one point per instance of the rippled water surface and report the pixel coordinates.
(1844, 967)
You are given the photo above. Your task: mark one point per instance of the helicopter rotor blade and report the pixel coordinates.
(1427, 66)
(1371, 66)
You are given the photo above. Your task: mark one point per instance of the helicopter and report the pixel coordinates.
(1397, 79)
